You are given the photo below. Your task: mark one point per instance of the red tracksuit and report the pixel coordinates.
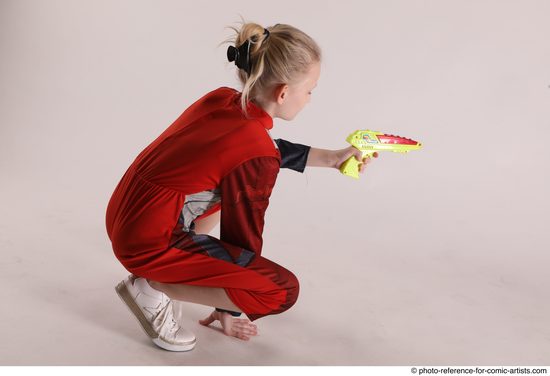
(211, 158)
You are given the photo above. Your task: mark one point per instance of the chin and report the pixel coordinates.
(290, 117)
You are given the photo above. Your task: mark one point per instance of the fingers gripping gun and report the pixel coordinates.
(369, 142)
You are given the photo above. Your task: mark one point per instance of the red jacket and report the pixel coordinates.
(210, 151)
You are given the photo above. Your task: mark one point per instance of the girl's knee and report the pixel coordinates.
(292, 288)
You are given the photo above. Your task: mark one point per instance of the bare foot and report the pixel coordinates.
(240, 328)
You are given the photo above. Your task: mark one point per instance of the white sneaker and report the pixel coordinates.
(153, 309)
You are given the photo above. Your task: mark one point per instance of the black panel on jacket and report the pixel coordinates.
(293, 156)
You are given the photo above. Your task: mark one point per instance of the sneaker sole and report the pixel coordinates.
(126, 297)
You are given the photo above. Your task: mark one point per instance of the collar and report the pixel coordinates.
(254, 111)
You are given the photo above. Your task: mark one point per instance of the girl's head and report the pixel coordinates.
(285, 68)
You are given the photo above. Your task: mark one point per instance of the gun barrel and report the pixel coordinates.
(391, 139)
(374, 140)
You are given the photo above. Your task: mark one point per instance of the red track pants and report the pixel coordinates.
(256, 285)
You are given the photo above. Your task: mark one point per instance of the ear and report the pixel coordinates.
(281, 92)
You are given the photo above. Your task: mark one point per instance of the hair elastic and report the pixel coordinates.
(241, 55)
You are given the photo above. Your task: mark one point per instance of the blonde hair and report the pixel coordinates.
(280, 58)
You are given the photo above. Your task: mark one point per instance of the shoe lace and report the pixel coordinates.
(173, 323)
(168, 314)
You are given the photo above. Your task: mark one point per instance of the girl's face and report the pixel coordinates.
(292, 98)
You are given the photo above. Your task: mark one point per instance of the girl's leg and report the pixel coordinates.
(206, 225)
(210, 296)
(213, 297)
(200, 263)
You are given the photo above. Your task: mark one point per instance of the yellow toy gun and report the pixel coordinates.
(370, 142)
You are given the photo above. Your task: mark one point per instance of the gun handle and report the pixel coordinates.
(350, 167)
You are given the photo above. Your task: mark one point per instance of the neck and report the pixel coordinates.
(267, 107)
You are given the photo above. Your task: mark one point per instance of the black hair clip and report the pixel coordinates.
(241, 55)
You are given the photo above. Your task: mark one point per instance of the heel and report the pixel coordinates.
(126, 297)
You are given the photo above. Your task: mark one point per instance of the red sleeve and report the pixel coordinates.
(245, 193)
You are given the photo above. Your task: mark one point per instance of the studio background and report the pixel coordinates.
(436, 257)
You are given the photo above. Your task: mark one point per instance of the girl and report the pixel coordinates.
(217, 162)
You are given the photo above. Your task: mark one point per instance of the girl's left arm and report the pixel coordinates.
(297, 156)
(334, 158)
(321, 158)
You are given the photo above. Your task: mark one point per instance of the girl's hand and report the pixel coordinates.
(342, 155)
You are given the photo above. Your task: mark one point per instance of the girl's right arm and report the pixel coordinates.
(245, 193)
